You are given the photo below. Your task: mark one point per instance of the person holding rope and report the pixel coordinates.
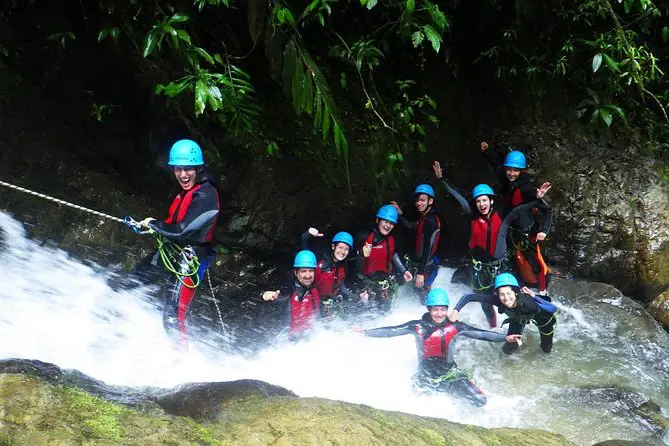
(189, 231)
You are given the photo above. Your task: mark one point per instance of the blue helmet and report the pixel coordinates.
(185, 153)
(424, 189)
(437, 297)
(389, 213)
(516, 160)
(506, 279)
(343, 237)
(482, 189)
(305, 259)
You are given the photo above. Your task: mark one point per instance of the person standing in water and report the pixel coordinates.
(377, 258)
(332, 270)
(530, 227)
(522, 306)
(301, 294)
(190, 224)
(428, 228)
(434, 334)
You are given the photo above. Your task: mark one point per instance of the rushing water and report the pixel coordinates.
(57, 309)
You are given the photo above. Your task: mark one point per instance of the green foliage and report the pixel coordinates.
(202, 3)
(61, 39)
(599, 113)
(112, 32)
(166, 28)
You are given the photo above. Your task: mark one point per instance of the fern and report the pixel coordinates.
(304, 82)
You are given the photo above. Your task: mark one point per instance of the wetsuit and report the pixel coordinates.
(375, 273)
(487, 244)
(191, 221)
(525, 227)
(424, 258)
(528, 310)
(434, 346)
(330, 279)
(303, 307)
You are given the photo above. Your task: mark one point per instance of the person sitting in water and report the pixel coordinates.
(521, 310)
(331, 271)
(301, 294)
(377, 258)
(487, 242)
(434, 334)
(532, 226)
(428, 227)
(190, 223)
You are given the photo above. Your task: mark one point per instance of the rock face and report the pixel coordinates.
(659, 309)
(36, 410)
(611, 221)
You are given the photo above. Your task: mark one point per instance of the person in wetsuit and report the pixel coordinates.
(531, 226)
(521, 308)
(301, 295)
(190, 224)
(428, 227)
(489, 229)
(434, 335)
(377, 258)
(331, 271)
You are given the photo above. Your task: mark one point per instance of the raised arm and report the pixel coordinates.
(389, 332)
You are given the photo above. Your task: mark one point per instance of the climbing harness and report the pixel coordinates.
(453, 375)
(486, 270)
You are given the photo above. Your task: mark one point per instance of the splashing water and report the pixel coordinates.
(58, 310)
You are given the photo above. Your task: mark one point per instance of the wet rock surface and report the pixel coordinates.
(34, 410)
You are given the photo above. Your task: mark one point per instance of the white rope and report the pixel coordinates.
(63, 202)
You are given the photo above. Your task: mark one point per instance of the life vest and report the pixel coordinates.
(380, 258)
(419, 235)
(437, 342)
(484, 233)
(328, 280)
(179, 208)
(303, 310)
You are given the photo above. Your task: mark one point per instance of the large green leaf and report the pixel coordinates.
(596, 62)
(200, 97)
(150, 43)
(438, 17)
(433, 36)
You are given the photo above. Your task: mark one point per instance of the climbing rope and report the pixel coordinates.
(181, 261)
(63, 202)
(218, 310)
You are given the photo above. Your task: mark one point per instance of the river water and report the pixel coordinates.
(57, 309)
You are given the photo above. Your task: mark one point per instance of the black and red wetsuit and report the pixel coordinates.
(528, 310)
(191, 221)
(434, 346)
(330, 274)
(303, 307)
(487, 244)
(426, 244)
(527, 224)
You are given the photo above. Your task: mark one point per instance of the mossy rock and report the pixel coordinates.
(35, 412)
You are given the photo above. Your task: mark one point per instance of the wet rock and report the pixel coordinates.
(611, 219)
(624, 404)
(34, 410)
(659, 309)
(207, 401)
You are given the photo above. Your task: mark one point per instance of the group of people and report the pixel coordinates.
(507, 228)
